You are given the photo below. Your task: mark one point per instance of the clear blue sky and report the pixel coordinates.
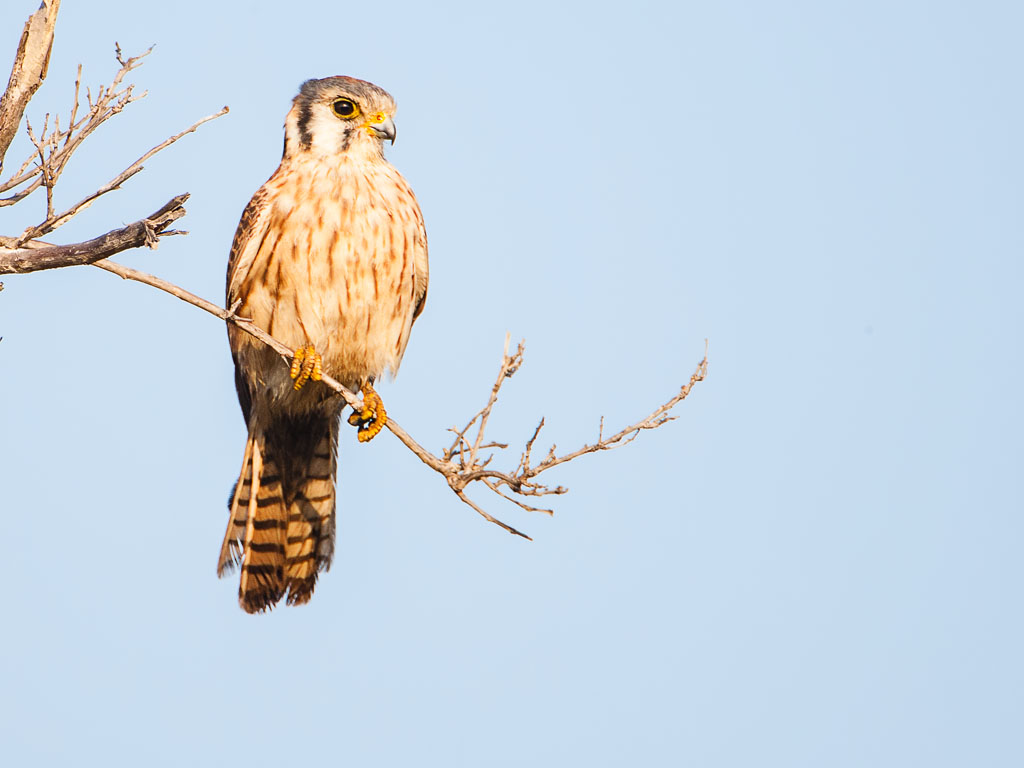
(818, 564)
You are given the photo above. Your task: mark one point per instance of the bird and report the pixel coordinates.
(330, 258)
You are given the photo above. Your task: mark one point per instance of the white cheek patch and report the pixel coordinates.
(328, 131)
(325, 131)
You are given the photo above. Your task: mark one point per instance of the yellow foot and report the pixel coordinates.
(307, 364)
(371, 418)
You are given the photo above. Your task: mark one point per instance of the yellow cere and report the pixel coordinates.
(375, 119)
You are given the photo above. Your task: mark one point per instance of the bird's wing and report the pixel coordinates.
(252, 228)
(421, 267)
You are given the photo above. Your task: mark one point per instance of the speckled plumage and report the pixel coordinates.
(331, 252)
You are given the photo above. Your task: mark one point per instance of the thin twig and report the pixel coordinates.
(46, 177)
(485, 414)
(53, 222)
(74, 104)
(110, 101)
(466, 500)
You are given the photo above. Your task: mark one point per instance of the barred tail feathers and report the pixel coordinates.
(281, 529)
(231, 548)
(310, 540)
(255, 536)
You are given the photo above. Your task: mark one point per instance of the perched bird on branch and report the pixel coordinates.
(330, 257)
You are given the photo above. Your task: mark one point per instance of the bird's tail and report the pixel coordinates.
(281, 530)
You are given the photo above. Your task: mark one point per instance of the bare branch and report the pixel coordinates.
(470, 467)
(28, 72)
(142, 232)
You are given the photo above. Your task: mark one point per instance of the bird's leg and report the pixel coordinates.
(370, 418)
(307, 364)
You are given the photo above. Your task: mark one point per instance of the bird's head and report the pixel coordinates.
(337, 115)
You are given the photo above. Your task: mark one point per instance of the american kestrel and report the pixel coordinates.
(330, 258)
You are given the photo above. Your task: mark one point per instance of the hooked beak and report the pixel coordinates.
(385, 130)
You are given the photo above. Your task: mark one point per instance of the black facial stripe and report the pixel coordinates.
(346, 139)
(305, 115)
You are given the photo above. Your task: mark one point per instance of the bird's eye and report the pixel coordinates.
(345, 108)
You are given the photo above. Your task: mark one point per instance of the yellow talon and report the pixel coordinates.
(370, 419)
(307, 364)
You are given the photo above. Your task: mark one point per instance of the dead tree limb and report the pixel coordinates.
(29, 70)
(143, 232)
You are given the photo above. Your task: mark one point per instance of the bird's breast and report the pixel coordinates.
(336, 267)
